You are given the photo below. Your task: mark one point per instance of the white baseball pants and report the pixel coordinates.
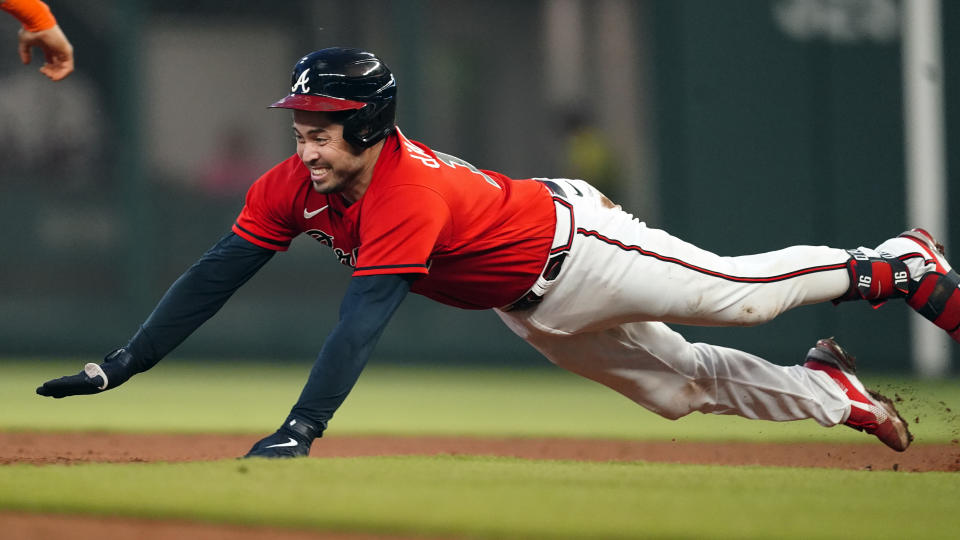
(604, 317)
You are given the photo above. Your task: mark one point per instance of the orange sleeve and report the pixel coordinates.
(33, 14)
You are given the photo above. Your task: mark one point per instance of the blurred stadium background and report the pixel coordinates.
(740, 126)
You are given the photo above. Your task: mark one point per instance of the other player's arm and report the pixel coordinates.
(40, 29)
(367, 307)
(192, 299)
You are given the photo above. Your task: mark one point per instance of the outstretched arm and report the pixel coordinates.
(196, 296)
(192, 299)
(367, 307)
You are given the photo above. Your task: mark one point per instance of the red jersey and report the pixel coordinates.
(478, 238)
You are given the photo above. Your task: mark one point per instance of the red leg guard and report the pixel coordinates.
(937, 298)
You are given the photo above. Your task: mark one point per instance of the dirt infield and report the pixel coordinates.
(72, 448)
(77, 448)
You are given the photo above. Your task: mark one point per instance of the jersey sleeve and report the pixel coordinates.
(263, 220)
(399, 233)
(34, 15)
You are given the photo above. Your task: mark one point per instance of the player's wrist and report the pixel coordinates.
(118, 367)
(300, 427)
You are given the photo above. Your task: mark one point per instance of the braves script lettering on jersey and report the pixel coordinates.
(479, 238)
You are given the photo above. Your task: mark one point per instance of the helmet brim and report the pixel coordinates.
(307, 102)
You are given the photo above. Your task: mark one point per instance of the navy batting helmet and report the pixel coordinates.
(339, 79)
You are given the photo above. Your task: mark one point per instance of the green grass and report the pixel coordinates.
(253, 398)
(504, 498)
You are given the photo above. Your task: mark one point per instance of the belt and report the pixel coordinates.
(559, 249)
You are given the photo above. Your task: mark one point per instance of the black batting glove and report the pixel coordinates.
(116, 369)
(293, 439)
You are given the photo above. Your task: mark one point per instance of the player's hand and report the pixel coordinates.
(293, 439)
(116, 368)
(57, 51)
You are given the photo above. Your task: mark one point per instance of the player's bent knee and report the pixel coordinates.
(752, 314)
(688, 398)
(672, 414)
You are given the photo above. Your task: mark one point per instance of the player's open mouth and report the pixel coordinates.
(317, 173)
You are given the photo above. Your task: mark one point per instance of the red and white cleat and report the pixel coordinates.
(869, 411)
(935, 294)
(932, 250)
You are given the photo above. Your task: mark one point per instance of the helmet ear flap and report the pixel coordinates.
(367, 126)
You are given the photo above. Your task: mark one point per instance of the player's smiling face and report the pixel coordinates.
(335, 165)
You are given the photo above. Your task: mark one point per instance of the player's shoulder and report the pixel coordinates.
(280, 185)
(407, 165)
(410, 163)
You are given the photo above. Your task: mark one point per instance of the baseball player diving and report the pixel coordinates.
(584, 282)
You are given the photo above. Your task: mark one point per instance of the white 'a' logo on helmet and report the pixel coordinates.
(301, 82)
